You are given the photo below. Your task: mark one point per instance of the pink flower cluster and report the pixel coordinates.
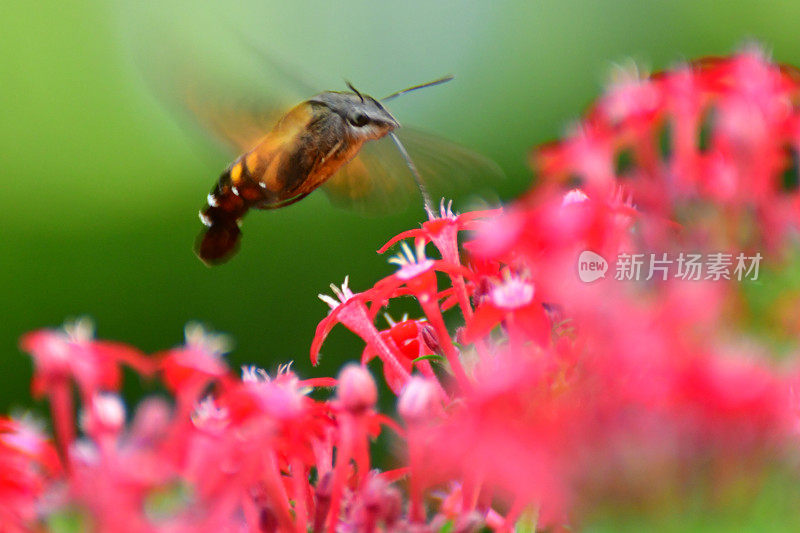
(525, 398)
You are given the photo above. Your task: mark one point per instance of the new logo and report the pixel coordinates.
(591, 266)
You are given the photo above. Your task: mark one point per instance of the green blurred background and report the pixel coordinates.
(101, 182)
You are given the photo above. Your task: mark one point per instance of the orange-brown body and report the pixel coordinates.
(304, 149)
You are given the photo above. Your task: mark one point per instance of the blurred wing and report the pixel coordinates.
(379, 181)
(241, 115)
(374, 183)
(215, 81)
(449, 169)
(239, 125)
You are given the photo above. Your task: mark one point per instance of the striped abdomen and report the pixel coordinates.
(306, 148)
(227, 204)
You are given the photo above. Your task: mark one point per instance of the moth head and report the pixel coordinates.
(363, 115)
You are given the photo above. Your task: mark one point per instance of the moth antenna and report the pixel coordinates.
(350, 86)
(426, 199)
(443, 79)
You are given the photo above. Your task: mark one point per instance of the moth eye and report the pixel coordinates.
(359, 120)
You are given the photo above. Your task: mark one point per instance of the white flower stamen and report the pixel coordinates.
(79, 330)
(197, 336)
(574, 196)
(208, 416)
(445, 211)
(392, 322)
(342, 295)
(512, 293)
(411, 264)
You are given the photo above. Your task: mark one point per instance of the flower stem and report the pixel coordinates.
(343, 456)
(300, 481)
(62, 412)
(431, 310)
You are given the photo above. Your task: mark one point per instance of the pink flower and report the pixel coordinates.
(421, 406)
(191, 366)
(554, 398)
(443, 230)
(420, 401)
(27, 461)
(417, 276)
(631, 98)
(351, 310)
(412, 339)
(511, 301)
(72, 353)
(719, 130)
(357, 396)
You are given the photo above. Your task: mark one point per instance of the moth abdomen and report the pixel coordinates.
(225, 208)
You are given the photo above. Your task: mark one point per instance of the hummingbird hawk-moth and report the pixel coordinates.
(305, 149)
(339, 142)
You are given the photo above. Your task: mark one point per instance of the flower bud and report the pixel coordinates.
(574, 196)
(420, 399)
(106, 414)
(429, 337)
(357, 391)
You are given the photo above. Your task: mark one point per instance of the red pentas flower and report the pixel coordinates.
(282, 399)
(412, 339)
(190, 369)
(72, 353)
(197, 362)
(542, 237)
(509, 437)
(512, 301)
(27, 462)
(416, 274)
(345, 307)
(588, 152)
(245, 438)
(421, 406)
(569, 396)
(636, 354)
(104, 417)
(631, 99)
(61, 356)
(721, 130)
(355, 403)
(442, 230)
(547, 226)
(351, 310)
(109, 477)
(417, 277)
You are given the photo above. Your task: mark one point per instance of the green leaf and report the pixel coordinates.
(447, 527)
(429, 357)
(67, 521)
